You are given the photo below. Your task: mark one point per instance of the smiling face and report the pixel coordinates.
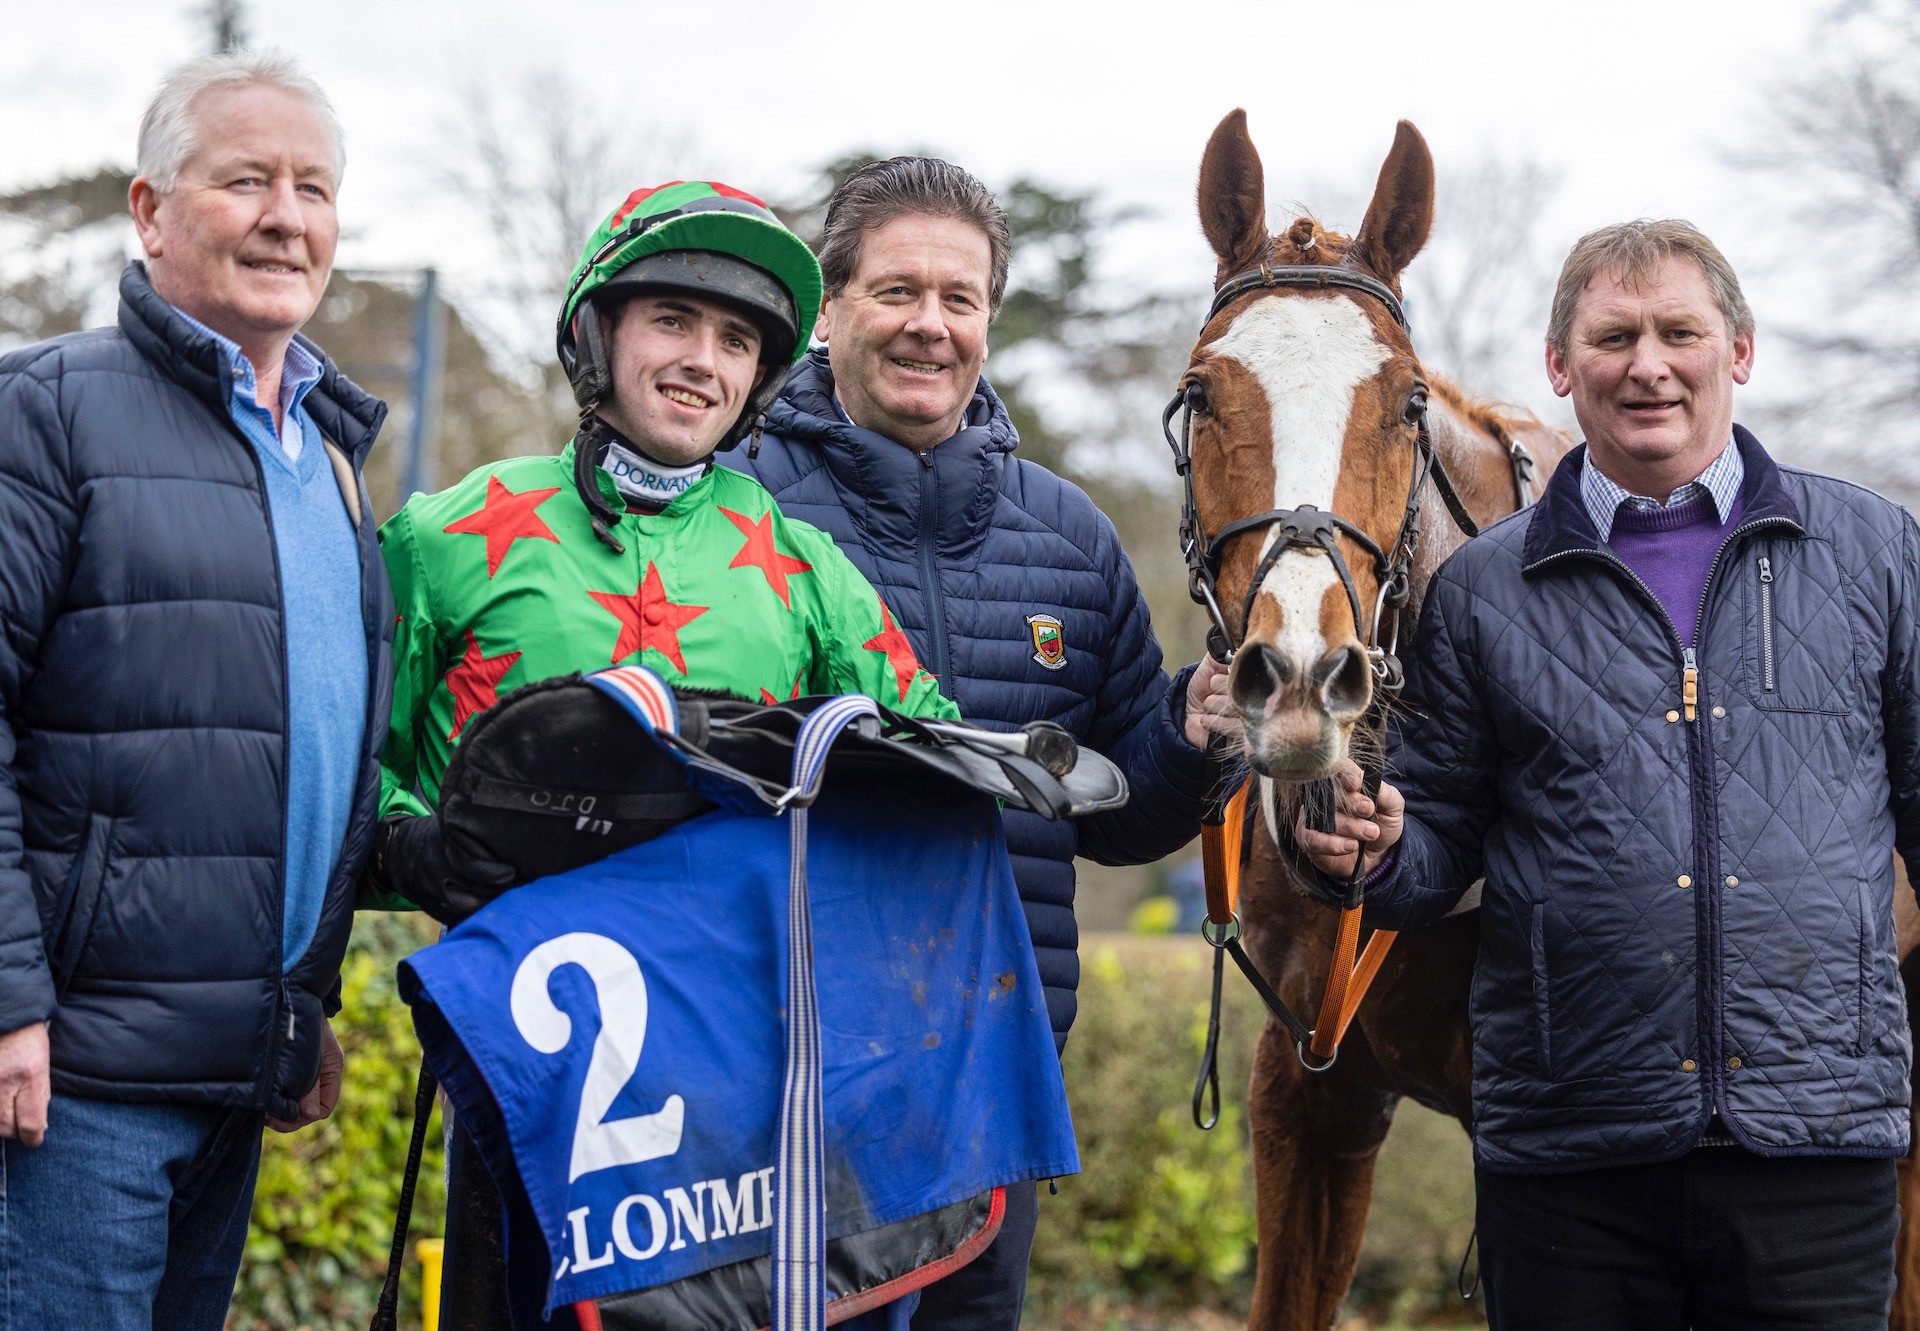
(244, 241)
(683, 369)
(1650, 365)
(908, 332)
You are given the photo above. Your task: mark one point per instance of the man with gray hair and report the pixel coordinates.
(1011, 586)
(1672, 715)
(193, 685)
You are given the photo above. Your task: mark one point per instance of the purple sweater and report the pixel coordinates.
(1672, 550)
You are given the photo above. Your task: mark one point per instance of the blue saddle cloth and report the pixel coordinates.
(613, 1037)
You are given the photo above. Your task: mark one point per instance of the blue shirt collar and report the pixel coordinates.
(1602, 497)
(299, 372)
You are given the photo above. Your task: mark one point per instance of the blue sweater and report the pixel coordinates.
(315, 547)
(1014, 590)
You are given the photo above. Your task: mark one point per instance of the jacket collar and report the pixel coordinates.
(346, 415)
(1561, 525)
(886, 476)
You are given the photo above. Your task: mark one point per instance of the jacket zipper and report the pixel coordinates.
(930, 569)
(276, 942)
(1766, 625)
(1705, 823)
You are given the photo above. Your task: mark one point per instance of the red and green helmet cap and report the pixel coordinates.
(705, 238)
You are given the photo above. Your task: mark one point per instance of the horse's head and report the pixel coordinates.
(1304, 394)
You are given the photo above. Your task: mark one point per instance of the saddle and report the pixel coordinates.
(553, 776)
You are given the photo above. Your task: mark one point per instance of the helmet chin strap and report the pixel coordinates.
(589, 446)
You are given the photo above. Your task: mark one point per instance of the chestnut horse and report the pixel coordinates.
(1302, 393)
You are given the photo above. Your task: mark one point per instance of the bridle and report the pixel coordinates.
(1308, 527)
(1226, 840)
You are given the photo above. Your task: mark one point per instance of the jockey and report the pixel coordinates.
(686, 308)
(680, 319)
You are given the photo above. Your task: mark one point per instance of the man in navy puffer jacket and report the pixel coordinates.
(1011, 586)
(1672, 714)
(193, 687)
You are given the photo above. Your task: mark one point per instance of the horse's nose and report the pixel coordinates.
(1339, 683)
(1344, 681)
(1259, 674)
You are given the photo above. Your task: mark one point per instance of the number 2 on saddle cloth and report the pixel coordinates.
(760, 1070)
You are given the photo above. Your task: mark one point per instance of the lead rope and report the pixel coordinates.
(1348, 978)
(1226, 850)
(1468, 1288)
(387, 1312)
(1216, 852)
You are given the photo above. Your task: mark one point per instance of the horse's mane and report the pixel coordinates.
(1488, 415)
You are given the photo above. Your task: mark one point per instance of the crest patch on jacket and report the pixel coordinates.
(1049, 641)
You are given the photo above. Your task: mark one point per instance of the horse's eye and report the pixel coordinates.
(1197, 401)
(1416, 407)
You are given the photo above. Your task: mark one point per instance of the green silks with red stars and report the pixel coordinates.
(500, 581)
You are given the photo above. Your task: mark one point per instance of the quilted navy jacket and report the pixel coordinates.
(966, 542)
(143, 715)
(1685, 912)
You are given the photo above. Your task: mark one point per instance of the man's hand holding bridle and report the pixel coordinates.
(1210, 710)
(1373, 823)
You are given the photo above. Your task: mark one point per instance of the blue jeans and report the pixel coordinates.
(130, 1217)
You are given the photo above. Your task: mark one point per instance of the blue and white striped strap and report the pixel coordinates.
(643, 694)
(800, 1214)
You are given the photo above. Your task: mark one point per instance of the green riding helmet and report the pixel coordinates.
(705, 239)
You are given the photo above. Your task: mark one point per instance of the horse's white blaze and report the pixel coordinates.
(1300, 583)
(1309, 354)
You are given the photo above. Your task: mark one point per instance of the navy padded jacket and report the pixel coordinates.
(143, 719)
(1681, 917)
(965, 542)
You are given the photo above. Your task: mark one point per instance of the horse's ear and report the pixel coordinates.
(1401, 213)
(1233, 196)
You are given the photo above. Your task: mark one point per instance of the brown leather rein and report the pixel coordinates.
(1226, 839)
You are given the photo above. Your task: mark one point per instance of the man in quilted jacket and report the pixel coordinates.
(1670, 715)
(1010, 584)
(193, 679)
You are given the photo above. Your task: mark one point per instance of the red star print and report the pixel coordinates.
(772, 701)
(648, 619)
(761, 553)
(899, 651)
(504, 518)
(475, 683)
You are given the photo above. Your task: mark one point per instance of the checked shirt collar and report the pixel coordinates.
(1602, 496)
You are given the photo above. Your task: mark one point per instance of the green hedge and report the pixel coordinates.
(1156, 1230)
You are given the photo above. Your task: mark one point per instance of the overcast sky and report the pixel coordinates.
(1634, 102)
(1631, 97)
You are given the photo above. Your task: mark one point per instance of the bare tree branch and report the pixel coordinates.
(1479, 292)
(541, 160)
(1840, 162)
